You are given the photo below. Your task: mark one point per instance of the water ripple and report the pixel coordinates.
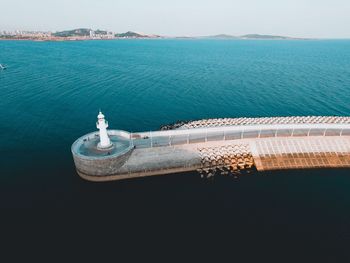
(51, 91)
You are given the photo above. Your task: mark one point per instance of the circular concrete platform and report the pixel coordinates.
(86, 147)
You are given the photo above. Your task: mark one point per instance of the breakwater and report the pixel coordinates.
(226, 146)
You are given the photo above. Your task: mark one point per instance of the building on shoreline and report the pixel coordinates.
(74, 34)
(23, 34)
(100, 34)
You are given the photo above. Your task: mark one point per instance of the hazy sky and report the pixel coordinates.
(299, 18)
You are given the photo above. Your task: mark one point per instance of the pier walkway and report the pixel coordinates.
(226, 133)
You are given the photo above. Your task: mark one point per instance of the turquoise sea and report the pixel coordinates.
(52, 91)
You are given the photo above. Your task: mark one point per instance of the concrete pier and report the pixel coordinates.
(220, 145)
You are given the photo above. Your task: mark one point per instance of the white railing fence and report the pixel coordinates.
(176, 137)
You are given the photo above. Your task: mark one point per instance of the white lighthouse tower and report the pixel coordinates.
(102, 125)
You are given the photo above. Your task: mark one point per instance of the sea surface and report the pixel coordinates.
(51, 93)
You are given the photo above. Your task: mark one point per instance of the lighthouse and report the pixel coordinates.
(102, 125)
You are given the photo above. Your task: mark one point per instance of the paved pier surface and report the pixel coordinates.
(266, 144)
(300, 153)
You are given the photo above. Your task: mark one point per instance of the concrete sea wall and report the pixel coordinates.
(227, 157)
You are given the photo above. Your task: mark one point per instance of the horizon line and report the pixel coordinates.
(178, 36)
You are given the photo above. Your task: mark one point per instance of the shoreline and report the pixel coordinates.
(159, 38)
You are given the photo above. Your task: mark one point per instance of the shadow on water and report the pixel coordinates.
(55, 184)
(309, 208)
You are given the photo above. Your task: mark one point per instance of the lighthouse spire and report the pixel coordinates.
(102, 125)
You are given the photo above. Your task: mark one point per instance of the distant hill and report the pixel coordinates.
(221, 36)
(128, 34)
(131, 34)
(100, 32)
(80, 32)
(257, 36)
(85, 32)
(249, 36)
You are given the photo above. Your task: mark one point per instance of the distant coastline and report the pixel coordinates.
(82, 34)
